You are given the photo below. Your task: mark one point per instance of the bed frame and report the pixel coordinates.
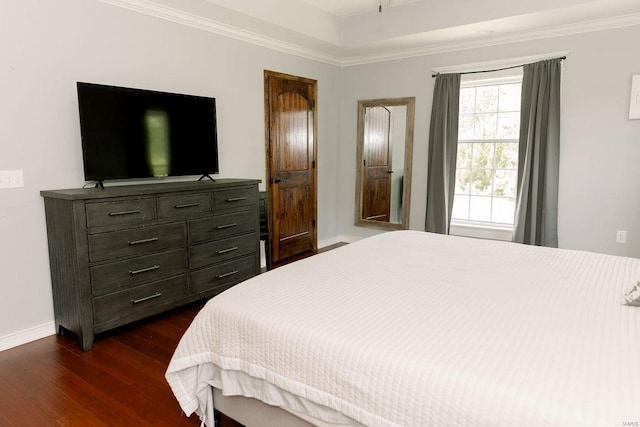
(254, 413)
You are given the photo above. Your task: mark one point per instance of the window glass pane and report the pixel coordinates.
(460, 207)
(463, 159)
(486, 99)
(510, 97)
(480, 208)
(481, 182)
(503, 210)
(483, 155)
(508, 125)
(486, 125)
(505, 182)
(466, 124)
(507, 155)
(467, 100)
(463, 181)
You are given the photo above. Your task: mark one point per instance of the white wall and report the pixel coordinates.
(600, 147)
(46, 46)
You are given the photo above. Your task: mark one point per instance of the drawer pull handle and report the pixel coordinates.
(144, 270)
(224, 251)
(231, 273)
(124, 213)
(137, 242)
(220, 227)
(188, 205)
(156, 295)
(236, 199)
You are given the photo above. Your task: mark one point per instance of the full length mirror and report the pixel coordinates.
(385, 148)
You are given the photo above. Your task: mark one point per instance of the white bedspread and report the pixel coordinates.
(418, 329)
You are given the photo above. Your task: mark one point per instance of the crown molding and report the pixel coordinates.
(167, 13)
(523, 36)
(152, 8)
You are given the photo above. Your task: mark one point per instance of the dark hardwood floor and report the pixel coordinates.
(304, 255)
(119, 382)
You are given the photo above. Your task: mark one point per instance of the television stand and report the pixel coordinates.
(206, 175)
(99, 185)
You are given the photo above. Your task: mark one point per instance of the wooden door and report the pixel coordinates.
(290, 122)
(376, 200)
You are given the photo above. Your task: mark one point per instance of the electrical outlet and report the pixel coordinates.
(621, 236)
(11, 179)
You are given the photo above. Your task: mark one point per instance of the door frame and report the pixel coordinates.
(268, 154)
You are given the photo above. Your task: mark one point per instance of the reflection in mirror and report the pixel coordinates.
(385, 146)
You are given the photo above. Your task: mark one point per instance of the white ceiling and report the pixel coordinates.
(348, 32)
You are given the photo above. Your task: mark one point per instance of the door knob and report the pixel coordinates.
(276, 180)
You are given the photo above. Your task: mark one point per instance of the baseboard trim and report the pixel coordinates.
(328, 242)
(337, 239)
(349, 239)
(28, 335)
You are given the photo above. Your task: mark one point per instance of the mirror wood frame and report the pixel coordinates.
(409, 102)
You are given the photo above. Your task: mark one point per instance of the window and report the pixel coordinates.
(487, 161)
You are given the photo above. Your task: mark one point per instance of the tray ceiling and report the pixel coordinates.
(349, 32)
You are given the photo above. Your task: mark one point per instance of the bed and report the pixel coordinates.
(418, 329)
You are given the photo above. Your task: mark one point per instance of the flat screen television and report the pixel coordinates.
(133, 133)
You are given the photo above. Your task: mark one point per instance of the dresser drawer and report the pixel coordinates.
(235, 198)
(220, 226)
(119, 212)
(221, 250)
(136, 241)
(222, 275)
(183, 205)
(138, 300)
(133, 272)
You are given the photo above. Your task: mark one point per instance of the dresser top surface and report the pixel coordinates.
(146, 189)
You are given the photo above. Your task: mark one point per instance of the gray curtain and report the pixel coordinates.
(443, 148)
(536, 220)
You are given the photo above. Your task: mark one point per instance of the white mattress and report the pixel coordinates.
(418, 329)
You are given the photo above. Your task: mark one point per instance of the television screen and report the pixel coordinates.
(134, 133)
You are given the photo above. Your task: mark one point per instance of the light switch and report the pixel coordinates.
(634, 104)
(11, 179)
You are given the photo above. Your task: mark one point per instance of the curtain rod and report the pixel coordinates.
(562, 58)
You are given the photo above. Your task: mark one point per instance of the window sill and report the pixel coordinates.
(481, 231)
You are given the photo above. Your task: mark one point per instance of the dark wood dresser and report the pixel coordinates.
(123, 253)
